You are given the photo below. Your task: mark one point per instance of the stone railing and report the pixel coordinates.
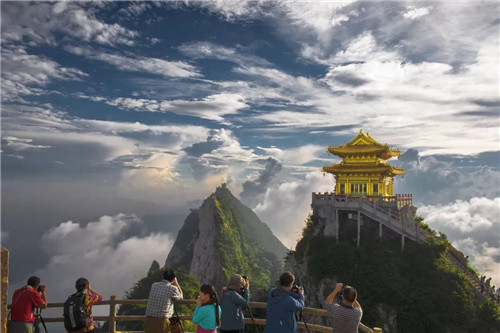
(397, 201)
(113, 318)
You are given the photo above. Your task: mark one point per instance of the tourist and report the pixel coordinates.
(207, 312)
(282, 303)
(487, 285)
(493, 293)
(346, 315)
(24, 301)
(86, 297)
(234, 297)
(160, 306)
(481, 281)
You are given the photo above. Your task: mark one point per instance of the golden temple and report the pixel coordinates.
(363, 170)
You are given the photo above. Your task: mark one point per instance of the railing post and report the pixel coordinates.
(112, 314)
(5, 286)
(377, 330)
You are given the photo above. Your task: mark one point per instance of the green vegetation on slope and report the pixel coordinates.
(258, 233)
(235, 252)
(426, 292)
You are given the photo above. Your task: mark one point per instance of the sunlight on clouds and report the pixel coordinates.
(149, 172)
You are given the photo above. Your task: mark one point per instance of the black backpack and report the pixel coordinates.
(75, 313)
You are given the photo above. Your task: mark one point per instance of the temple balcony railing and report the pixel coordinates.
(395, 202)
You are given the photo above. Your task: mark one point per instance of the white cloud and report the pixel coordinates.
(413, 12)
(392, 98)
(213, 107)
(363, 48)
(19, 144)
(286, 206)
(149, 172)
(28, 74)
(207, 50)
(234, 9)
(297, 155)
(40, 22)
(473, 227)
(218, 156)
(100, 251)
(139, 64)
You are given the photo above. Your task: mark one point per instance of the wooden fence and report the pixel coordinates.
(113, 318)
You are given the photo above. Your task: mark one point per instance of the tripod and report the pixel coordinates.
(39, 318)
(180, 321)
(253, 321)
(300, 317)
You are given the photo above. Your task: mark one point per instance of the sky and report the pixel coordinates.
(118, 117)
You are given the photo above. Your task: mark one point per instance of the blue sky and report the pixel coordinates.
(117, 117)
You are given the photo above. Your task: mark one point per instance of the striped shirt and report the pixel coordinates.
(160, 299)
(345, 319)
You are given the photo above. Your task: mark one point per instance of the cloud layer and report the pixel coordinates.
(473, 227)
(109, 252)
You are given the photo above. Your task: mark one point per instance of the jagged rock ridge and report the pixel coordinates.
(224, 237)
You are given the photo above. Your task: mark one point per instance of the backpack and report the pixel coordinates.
(75, 313)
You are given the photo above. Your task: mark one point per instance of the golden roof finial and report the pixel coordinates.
(361, 131)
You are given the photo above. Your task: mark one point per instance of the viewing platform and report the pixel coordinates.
(112, 319)
(395, 213)
(397, 201)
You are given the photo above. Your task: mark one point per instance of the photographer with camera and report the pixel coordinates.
(24, 302)
(77, 309)
(160, 306)
(346, 312)
(282, 303)
(234, 297)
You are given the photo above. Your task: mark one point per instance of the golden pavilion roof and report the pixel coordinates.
(364, 144)
(363, 168)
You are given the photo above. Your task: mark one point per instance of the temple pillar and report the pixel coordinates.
(359, 229)
(337, 225)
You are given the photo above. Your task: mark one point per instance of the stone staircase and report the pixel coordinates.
(471, 277)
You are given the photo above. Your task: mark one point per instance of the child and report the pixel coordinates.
(207, 312)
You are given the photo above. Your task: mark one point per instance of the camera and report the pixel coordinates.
(341, 294)
(296, 288)
(242, 289)
(40, 287)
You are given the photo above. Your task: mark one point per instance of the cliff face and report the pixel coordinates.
(224, 237)
(205, 264)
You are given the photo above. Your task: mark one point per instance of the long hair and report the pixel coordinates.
(214, 299)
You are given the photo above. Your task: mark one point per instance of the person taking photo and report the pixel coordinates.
(24, 302)
(160, 306)
(234, 297)
(346, 315)
(282, 303)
